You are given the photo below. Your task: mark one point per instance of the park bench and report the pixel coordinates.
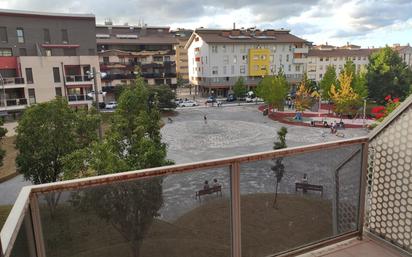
(211, 190)
(305, 187)
(323, 123)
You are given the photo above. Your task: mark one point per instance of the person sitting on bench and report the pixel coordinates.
(215, 183)
(206, 185)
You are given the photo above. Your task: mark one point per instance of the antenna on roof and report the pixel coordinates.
(234, 25)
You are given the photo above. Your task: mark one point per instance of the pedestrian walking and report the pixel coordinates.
(205, 118)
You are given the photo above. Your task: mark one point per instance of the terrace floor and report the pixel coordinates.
(368, 247)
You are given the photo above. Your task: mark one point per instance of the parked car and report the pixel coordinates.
(178, 101)
(111, 105)
(231, 98)
(250, 99)
(211, 99)
(188, 103)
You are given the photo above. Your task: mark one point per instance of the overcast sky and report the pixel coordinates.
(367, 23)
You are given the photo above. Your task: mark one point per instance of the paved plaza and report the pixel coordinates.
(231, 131)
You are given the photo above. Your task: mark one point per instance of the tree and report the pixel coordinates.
(239, 89)
(327, 81)
(279, 168)
(45, 134)
(388, 75)
(360, 84)
(3, 132)
(305, 96)
(133, 142)
(165, 96)
(273, 90)
(345, 98)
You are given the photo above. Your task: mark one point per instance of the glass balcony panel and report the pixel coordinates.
(24, 244)
(160, 216)
(322, 205)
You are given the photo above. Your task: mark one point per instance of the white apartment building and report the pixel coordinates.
(320, 57)
(217, 58)
(405, 52)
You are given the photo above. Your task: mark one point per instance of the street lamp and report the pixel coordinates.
(93, 75)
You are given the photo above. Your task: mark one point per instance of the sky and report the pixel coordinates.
(368, 23)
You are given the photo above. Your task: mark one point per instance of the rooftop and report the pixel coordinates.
(246, 36)
(45, 14)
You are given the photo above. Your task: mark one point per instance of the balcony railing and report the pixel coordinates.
(13, 102)
(13, 81)
(76, 98)
(167, 211)
(77, 78)
(119, 76)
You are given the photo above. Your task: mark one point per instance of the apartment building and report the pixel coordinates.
(182, 67)
(217, 58)
(320, 57)
(405, 52)
(44, 55)
(126, 50)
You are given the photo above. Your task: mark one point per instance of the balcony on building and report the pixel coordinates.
(13, 99)
(356, 202)
(77, 75)
(12, 82)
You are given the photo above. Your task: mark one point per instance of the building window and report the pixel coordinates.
(327, 59)
(22, 51)
(242, 69)
(224, 48)
(290, 47)
(214, 49)
(48, 52)
(320, 67)
(256, 67)
(6, 52)
(244, 58)
(287, 57)
(335, 59)
(29, 76)
(197, 59)
(232, 69)
(46, 34)
(271, 58)
(235, 59)
(320, 76)
(65, 36)
(224, 70)
(242, 48)
(297, 68)
(226, 59)
(280, 58)
(56, 74)
(364, 58)
(3, 35)
(58, 91)
(214, 70)
(289, 67)
(255, 57)
(32, 96)
(263, 57)
(69, 51)
(233, 48)
(20, 35)
(167, 58)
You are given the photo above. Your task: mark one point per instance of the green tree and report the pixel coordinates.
(360, 84)
(387, 75)
(279, 168)
(3, 132)
(45, 134)
(327, 81)
(165, 96)
(273, 90)
(133, 143)
(239, 89)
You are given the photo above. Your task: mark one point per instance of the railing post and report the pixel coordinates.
(37, 227)
(235, 208)
(362, 189)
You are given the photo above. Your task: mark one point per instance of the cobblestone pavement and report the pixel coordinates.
(231, 131)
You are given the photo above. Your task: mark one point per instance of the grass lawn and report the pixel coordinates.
(9, 165)
(4, 212)
(203, 231)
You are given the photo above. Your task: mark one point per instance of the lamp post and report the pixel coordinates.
(93, 75)
(364, 112)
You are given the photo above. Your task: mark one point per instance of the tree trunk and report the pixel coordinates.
(276, 194)
(135, 247)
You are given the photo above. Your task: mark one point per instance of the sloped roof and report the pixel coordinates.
(145, 35)
(341, 52)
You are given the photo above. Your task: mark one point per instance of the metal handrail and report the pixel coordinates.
(11, 228)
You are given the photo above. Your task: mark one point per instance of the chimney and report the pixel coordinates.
(234, 25)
